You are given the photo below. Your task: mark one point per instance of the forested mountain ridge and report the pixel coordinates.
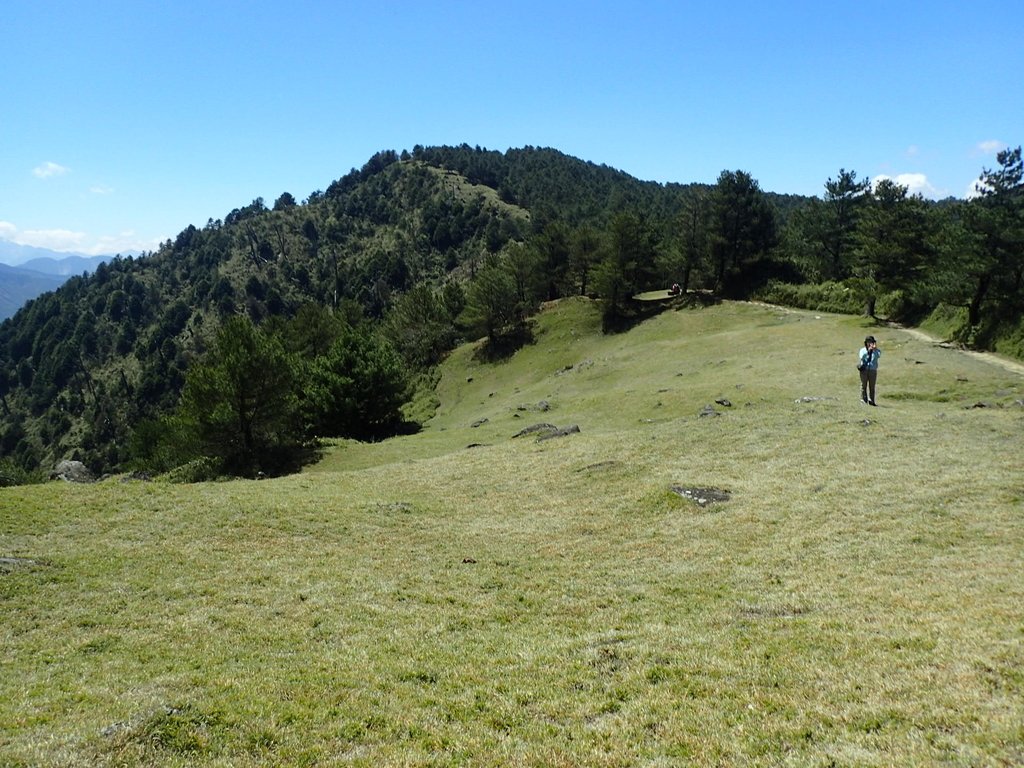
(83, 364)
(414, 250)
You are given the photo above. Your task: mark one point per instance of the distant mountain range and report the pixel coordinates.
(26, 272)
(18, 286)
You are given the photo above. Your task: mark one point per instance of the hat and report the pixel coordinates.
(869, 340)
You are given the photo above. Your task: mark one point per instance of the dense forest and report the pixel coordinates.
(235, 347)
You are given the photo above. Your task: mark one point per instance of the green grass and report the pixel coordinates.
(858, 600)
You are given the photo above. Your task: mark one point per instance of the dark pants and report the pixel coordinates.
(868, 378)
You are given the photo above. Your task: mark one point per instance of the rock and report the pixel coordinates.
(546, 431)
(72, 472)
(578, 367)
(542, 427)
(708, 410)
(724, 402)
(542, 406)
(479, 422)
(570, 430)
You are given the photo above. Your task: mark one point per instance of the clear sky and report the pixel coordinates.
(122, 122)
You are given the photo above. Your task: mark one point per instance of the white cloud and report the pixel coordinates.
(101, 189)
(916, 184)
(121, 243)
(974, 190)
(913, 150)
(66, 240)
(48, 170)
(54, 239)
(991, 147)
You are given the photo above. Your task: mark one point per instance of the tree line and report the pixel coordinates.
(874, 249)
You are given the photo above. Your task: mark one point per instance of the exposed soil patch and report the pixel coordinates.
(8, 564)
(599, 466)
(702, 496)
(785, 611)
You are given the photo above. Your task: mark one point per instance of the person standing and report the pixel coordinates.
(868, 367)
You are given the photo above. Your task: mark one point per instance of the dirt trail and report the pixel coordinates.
(1010, 365)
(988, 357)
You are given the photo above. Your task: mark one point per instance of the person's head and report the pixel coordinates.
(869, 341)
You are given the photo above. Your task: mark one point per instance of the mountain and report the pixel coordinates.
(81, 366)
(18, 285)
(27, 271)
(396, 244)
(15, 254)
(426, 249)
(64, 266)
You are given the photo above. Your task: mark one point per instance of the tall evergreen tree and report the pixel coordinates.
(492, 306)
(241, 405)
(629, 264)
(743, 230)
(893, 244)
(837, 226)
(690, 253)
(998, 221)
(356, 389)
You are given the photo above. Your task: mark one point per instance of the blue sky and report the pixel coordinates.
(121, 123)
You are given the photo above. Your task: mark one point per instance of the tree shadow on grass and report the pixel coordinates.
(501, 347)
(639, 311)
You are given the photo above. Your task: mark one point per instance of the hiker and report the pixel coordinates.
(868, 367)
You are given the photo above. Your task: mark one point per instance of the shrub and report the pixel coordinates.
(201, 470)
(13, 474)
(829, 296)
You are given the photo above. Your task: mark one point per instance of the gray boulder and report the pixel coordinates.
(72, 472)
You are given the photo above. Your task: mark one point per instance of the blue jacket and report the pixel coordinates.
(870, 359)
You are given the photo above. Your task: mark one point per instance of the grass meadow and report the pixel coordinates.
(461, 597)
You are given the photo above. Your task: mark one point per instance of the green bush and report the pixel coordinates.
(1012, 346)
(829, 296)
(13, 474)
(950, 322)
(895, 305)
(201, 470)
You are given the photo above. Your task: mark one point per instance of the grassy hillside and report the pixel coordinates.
(858, 600)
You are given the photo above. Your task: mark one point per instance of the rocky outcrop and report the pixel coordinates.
(72, 472)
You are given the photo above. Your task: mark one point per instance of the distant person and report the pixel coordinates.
(868, 367)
